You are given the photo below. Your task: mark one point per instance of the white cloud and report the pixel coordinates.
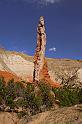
(45, 2)
(40, 2)
(52, 49)
(23, 51)
(49, 1)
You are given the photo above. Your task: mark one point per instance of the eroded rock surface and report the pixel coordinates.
(40, 63)
(40, 50)
(17, 65)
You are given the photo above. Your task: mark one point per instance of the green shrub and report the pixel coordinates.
(80, 96)
(31, 100)
(29, 94)
(18, 89)
(16, 95)
(2, 90)
(21, 114)
(10, 90)
(10, 102)
(1, 99)
(47, 97)
(67, 96)
(2, 87)
(13, 90)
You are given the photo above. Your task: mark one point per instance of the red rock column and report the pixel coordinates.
(40, 50)
(40, 63)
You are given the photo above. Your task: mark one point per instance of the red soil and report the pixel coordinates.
(8, 76)
(44, 75)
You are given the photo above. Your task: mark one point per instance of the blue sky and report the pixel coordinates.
(63, 20)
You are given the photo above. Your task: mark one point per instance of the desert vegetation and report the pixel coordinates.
(24, 100)
(68, 96)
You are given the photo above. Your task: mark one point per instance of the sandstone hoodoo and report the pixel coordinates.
(40, 50)
(40, 64)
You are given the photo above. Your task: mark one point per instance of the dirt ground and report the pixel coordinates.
(65, 115)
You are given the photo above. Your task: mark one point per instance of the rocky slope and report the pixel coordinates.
(61, 70)
(8, 118)
(16, 64)
(66, 115)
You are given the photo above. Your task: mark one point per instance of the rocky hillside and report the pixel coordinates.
(66, 115)
(64, 71)
(18, 64)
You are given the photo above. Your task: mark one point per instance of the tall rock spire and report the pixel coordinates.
(40, 50)
(40, 63)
